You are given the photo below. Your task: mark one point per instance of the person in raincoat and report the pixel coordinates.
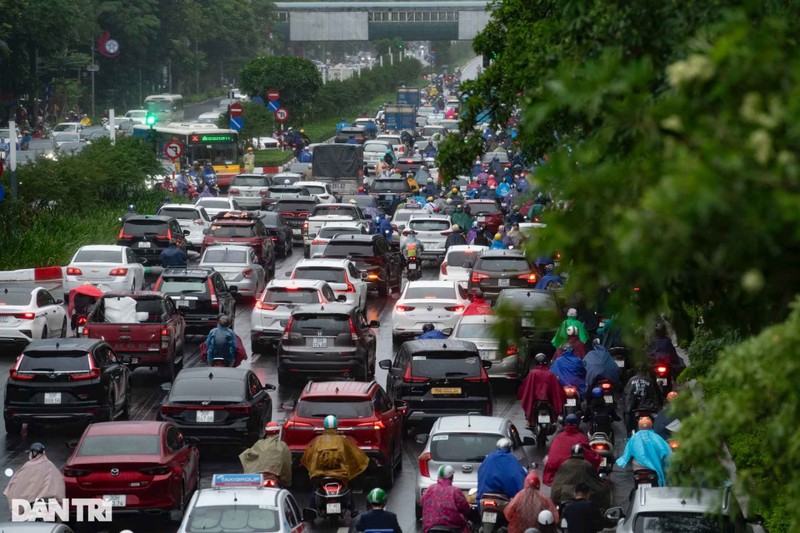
(550, 280)
(430, 187)
(477, 168)
(497, 243)
(577, 470)
(561, 449)
(500, 472)
(412, 183)
(478, 305)
(523, 511)
(600, 365)
(503, 189)
(473, 232)
(569, 370)
(515, 217)
(571, 320)
(540, 384)
(37, 478)
(381, 226)
(424, 176)
(456, 238)
(269, 455)
(445, 505)
(647, 450)
(462, 218)
(578, 348)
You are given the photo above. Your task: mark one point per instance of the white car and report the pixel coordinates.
(211, 117)
(341, 274)
(217, 204)
(30, 314)
(328, 231)
(191, 217)
(67, 133)
(373, 153)
(452, 268)
(432, 232)
(440, 303)
(116, 267)
(396, 142)
(479, 329)
(402, 216)
(321, 190)
(239, 267)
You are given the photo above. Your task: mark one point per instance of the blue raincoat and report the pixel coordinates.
(547, 279)
(502, 473)
(599, 362)
(503, 189)
(433, 334)
(569, 370)
(649, 450)
(498, 245)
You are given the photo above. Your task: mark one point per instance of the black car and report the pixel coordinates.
(536, 315)
(294, 210)
(372, 255)
(279, 230)
(439, 378)
(496, 270)
(358, 133)
(390, 192)
(327, 340)
(149, 235)
(66, 380)
(410, 163)
(200, 294)
(218, 404)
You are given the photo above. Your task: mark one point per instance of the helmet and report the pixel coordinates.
(497, 236)
(456, 227)
(515, 208)
(572, 312)
(360, 189)
(428, 327)
(272, 428)
(504, 444)
(37, 448)
(131, 208)
(576, 450)
(541, 359)
(671, 395)
(353, 200)
(446, 472)
(571, 420)
(546, 518)
(597, 392)
(195, 162)
(455, 190)
(430, 198)
(491, 176)
(223, 320)
(331, 422)
(645, 423)
(376, 497)
(287, 182)
(571, 330)
(450, 201)
(302, 130)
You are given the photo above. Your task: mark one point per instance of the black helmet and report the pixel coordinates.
(37, 448)
(576, 451)
(541, 359)
(428, 327)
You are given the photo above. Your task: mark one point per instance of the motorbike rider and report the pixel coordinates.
(582, 514)
(334, 456)
(575, 470)
(515, 217)
(561, 448)
(269, 455)
(540, 385)
(129, 213)
(412, 239)
(600, 365)
(569, 370)
(647, 450)
(377, 518)
(430, 187)
(37, 478)
(480, 238)
(641, 393)
(662, 350)
(221, 342)
(550, 279)
(456, 238)
(500, 472)
(498, 243)
(462, 218)
(444, 505)
(599, 414)
(571, 320)
(429, 331)
(381, 226)
(523, 510)
(666, 419)
(412, 183)
(578, 347)
(173, 255)
(478, 304)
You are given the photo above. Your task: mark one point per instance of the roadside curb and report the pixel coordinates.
(33, 274)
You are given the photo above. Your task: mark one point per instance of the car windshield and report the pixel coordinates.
(197, 389)
(224, 256)
(294, 206)
(331, 275)
(528, 300)
(178, 213)
(292, 295)
(56, 362)
(445, 365)
(479, 330)
(483, 208)
(239, 518)
(429, 225)
(669, 522)
(14, 298)
(64, 127)
(389, 186)
(457, 259)
(339, 210)
(348, 249)
(232, 231)
(316, 189)
(136, 114)
(120, 445)
(401, 215)
(503, 264)
(183, 286)
(140, 228)
(341, 409)
(381, 148)
(463, 447)
(362, 200)
(214, 204)
(431, 293)
(98, 256)
(251, 181)
(327, 325)
(327, 232)
(394, 141)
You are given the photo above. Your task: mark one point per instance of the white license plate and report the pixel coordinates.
(5, 319)
(430, 245)
(662, 382)
(319, 343)
(603, 462)
(489, 518)
(646, 485)
(333, 508)
(52, 398)
(608, 398)
(205, 416)
(503, 282)
(620, 363)
(544, 419)
(571, 402)
(114, 500)
(144, 245)
(412, 266)
(334, 186)
(487, 354)
(182, 303)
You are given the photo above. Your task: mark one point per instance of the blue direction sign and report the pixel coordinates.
(273, 105)
(236, 123)
(257, 100)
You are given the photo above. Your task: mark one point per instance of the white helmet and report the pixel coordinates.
(504, 444)
(572, 312)
(571, 330)
(446, 472)
(546, 518)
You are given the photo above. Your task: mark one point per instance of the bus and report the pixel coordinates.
(166, 107)
(200, 142)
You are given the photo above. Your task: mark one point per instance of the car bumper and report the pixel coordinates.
(249, 202)
(266, 337)
(428, 414)
(312, 364)
(117, 285)
(237, 432)
(52, 413)
(159, 495)
(16, 337)
(403, 327)
(200, 322)
(432, 253)
(134, 359)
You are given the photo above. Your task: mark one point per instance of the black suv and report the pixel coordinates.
(536, 316)
(439, 378)
(295, 210)
(373, 256)
(66, 380)
(279, 231)
(200, 294)
(327, 340)
(149, 235)
(496, 270)
(390, 192)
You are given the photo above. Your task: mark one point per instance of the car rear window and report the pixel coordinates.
(290, 295)
(389, 186)
(429, 225)
(327, 232)
(180, 214)
(141, 228)
(14, 298)
(427, 131)
(463, 447)
(331, 275)
(202, 389)
(403, 215)
(281, 180)
(346, 248)
(483, 208)
(122, 445)
(342, 409)
(478, 330)
(98, 256)
(54, 362)
(528, 300)
(214, 204)
(677, 521)
(184, 286)
(225, 256)
(374, 148)
(233, 231)
(325, 325)
(340, 210)
(431, 293)
(251, 181)
(315, 189)
(240, 518)
(446, 365)
(502, 264)
(288, 206)
(271, 219)
(457, 259)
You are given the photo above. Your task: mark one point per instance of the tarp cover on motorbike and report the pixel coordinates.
(83, 295)
(268, 455)
(649, 450)
(335, 456)
(575, 471)
(599, 363)
(540, 384)
(38, 478)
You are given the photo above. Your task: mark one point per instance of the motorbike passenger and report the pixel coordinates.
(569, 369)
(377, 518)
(561, 449)
(173, 255)
(523, 511)
(540, 385)
(429, 331)
(666, 418)
(647, 450)
(582, 514)
(412, 239)
(462, 218)
(221, 343)
(269, 455)
(641, 393)
(182, 183)
(574, 471)
(444, 505)
(37, 478)
(599, 414)
(572, 320)
(304, 156)
(501, 472)
(578, 347)
(412, 183)
(129, 213)
(498, 243)
(456, 238)
(600, 365)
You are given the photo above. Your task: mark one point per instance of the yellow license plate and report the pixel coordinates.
(446, 390)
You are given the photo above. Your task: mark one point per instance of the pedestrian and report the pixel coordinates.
(249, 160)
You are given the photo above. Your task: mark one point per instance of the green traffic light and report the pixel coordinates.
(150, 120)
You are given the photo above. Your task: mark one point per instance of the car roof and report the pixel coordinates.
(467, 247)
(299, 283)
(487, 318)
(430, 216)
(189, 272)
(315, 183)
(480, 201)
(356, 237)
(469, 424)
(325, 309)
(338, 204)
(103, 247)
(134, 294)
(128, 427)
(676, 499)
(232, 496)
(318, 389)
(323, 262)
(179, 206)
(68, 344)
(203, 372)
(287, 175)
(234, 221)
(343, 224)
(139, 218)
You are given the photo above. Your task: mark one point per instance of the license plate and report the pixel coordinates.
(527, 323)
(334, 186)
(52, 398)
(571, 402)
(544, 419)
(114, 500)
(134, 360)
(319, 343)
(5, 319)
(662, 382)
(620, 363)
(412, 266)
(144, 245)
(603, 462)
(489, 518)
(608, 398)
(446, 390)
(487, 354)
(645, 485)
(333, 508)
(503, 282)
(205, 416)
(182, 303)
(430, 245)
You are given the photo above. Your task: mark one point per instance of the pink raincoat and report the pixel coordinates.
(444, 505)
(523, 511)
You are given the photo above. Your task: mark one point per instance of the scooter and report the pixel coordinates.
(332, 498)
(644, 477)
(219, 361)
(572, 403)
(545, 422)
(492, 507)
(414, 271)
(603, 445)
(663, 378)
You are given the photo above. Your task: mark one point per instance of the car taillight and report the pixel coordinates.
(171, 409)
(408, 378)
(295, 424)
(76, 472)
(123, 235)
(353, 332)
(662, 370)
(247, 272)
(350, 287)
(405, 232)
(477, 277)
(14, 372)
(531, 278)
(455, 308)
(213, 295)
(600, 446)
(93, 372)
(483, 378)
(24, 316)
(164, 339)
(238, 409)
(443, 268)
(376, 425)
(198, 222)
(318, 241)
(288, 329)
(263, 192)
(605, 385)
(512, 350)
(72, 271)
(155, 470)
(233, 191)
(424, 471)
(403, 308)
(265, 306)
(119, 272)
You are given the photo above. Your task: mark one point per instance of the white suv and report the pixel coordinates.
(341, 274)
(190, 217)
(452, 268)
(432, 232)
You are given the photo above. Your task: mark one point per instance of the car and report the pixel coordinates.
(321, 190)
(432, 232)
(249, 190)
(192, 218)
(242, 229)
(149, 235)
(496, 270)
(363, 411)
(137, 115)
(329, 231)
(373, 153)
(277, 192)
(135, 466)
(324, 214)
(200, 294)
(451, 125)
(485, 212)
(464, 442)
(214, 205)
(286, 178)
(439, 378)
(236, 499)
(295, 210)
(210, 117)
(28, 314)
(511, 363)
(452, 268)
(341, 274)
(372, 255)
(537, 315)
(67, 133)
(403, 215)
(390, 192)
(218, 405)
(274, 307)
(440, 303)
(395, 140)
(224, 105)
(357, 133)
(430, 130)
(239, 267)
(409, 163)
(66, 380)
(501, 155)
(332, 339)
(116, 267)
(279, 230)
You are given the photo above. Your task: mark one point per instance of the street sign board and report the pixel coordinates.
(273, 95)
(235, 110)
(236, 123)
(273, 105)
(173, 149)
(281, 115)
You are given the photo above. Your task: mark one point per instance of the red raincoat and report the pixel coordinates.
(540, 384)
(479, 306)
(578, 348)
(560, 451)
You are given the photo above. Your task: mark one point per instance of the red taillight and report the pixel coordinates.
(605, 385)
(408, 378)
(570, 392)
(403, 308)
(512, 350)
(247, 272)
(213, 295)
(275, 239)
(155, 470)
(443, 268)
(531, 278)
(374, 425)
(119, 272)
(662, 370)
(93, 372)
(405, 232)
(488, 503)
(295, 424)
(483, 378)
(270, 483)
(477, 277)
(265, 306)
(123, 235)
(81, 320)
(198, 222)
(288, 329)
(25, 316)
(14, 372)
(171, 409)
(350, 287)
(424, 471)
(86, 331)
(318, 241)
(263, 192)
(72, 271)
(233, 191)
(353, 332)
(599, 446)
(455, 308)
(74, 472)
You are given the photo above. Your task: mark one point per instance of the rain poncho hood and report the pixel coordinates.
(503, 189)
(649, 450)
(523, 511)
(540, 384)
(569, 370)
(575, 471)
(462, 219)
(335, 456)
(561, 335)
(269, 455)
(498, 244)
(38, 478)
(599, 363)
(502, 473)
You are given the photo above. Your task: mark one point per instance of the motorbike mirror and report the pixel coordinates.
(72, 444)
(176, 515)
(269, 387)
(309, 515)
(422, 438)
(8, 472)
(166, 387)
(364, 275)
(615, 514)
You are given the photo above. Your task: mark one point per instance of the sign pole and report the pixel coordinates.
(111, 130)
(93, 115)
(283, 145)
(12, 141)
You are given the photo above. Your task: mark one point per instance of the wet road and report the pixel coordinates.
(147, 397)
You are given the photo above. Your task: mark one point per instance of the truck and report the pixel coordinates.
(341, 165)
(326, 214)
(408, 96)
(144, 328)
(400, 117)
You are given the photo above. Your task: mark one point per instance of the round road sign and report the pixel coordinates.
(273, 95)
(173, 149)
(235, 109)
(281, 115)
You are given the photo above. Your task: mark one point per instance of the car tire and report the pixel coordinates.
(386, 476)
(168, 370)
(63, 333)
(44, 332)
(13, 428)
(418, 511)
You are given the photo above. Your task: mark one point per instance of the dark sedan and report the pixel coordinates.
(279, 230)
(496, 270)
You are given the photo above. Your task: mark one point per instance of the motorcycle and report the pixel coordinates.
(492, 507)
(81, 301)
(572, 401)
(414, 271)
(645, 478)
(603, 445)
(663, 378)
(270, 479)
(219, 361)
(608, 390)
(332, 498)
(545, 422)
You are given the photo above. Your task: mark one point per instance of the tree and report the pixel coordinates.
(258, 122)
(296, 78)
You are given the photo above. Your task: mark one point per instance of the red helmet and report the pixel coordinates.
(361, 189)
(272, 428)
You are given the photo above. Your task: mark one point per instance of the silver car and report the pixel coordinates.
(327, 232)
(513, 364)
(239, 267)
(190, 217)
(463, 442)
(374, 152)
(249, 190)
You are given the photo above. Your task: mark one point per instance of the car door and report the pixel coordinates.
(178, 454)
(110, 374)
(225, 296)
(358, 283)
(388, 414)
(47, 307)
(257, 397)
(136, 266)
(258, 272)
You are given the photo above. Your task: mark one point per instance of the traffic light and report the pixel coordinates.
(150, 120)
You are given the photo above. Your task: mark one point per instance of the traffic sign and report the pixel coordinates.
(273, 95)
(281, 115)
(173, 149)
(257, 100)
(235, 110)
(273, 105)
(236, 123)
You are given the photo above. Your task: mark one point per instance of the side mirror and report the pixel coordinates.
(59, 301)
(374, 324)
(341, 298)
(401, 405)
(287, 405)
(486, 364)
(72, 444)
(176, 515)
(615, 514)
(309, 515)
(422, 438)
(166, 387)
(187, 232)
(447, 331)
(234, 289)
(385, 364)
(270, 387)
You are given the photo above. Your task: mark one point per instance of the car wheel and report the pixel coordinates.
(387, 474)
(13, 428)
(418, 511)
(167, 370)
(63, 334)
(289, 247)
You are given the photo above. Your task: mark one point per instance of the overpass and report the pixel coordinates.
(414, 20)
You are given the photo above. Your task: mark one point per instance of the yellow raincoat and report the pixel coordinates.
(269, 455)
(335, 456)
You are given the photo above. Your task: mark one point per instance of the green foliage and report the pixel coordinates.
(705, 348)
(296, 78)
(258, 122)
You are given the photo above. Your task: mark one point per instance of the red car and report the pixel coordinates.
(486, 212)
(365, 414)
(137, 466)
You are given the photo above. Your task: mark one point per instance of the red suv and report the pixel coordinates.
(246, 229)
(365, 414)
(486, 212)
